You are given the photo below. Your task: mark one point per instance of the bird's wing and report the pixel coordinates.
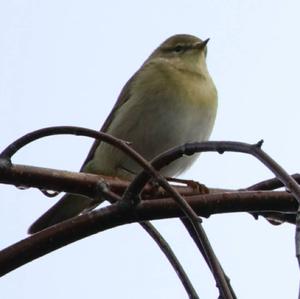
(123, 98)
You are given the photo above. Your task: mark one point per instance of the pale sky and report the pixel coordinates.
(65, 62)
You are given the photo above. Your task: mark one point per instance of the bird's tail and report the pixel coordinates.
(68, 206)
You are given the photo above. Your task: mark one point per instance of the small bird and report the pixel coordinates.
(171, 100)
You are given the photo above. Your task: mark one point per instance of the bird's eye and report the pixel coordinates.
(178, 48)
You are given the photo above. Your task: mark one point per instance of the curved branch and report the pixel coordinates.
(189, 149)
(96, 221)
(101, 188)
(146, 166)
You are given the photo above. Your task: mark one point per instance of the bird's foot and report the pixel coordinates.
(196, 187)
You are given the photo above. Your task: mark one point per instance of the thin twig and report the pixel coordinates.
(167, 250)
(290, 183)
(135, 188)
(213, 262)
(191, 231)
(271, 184)
(255, 150)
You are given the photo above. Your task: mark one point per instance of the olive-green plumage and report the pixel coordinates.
(169, 101)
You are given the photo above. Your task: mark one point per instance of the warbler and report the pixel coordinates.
(169, 101)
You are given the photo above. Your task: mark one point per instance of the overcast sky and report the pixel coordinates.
(65, 62)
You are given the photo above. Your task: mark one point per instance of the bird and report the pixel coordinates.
(171, 100)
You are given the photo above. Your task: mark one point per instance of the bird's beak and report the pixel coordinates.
(201, 45)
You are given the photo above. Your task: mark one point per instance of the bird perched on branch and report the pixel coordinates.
(171, 100)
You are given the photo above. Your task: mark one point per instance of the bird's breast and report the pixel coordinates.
(165, 109)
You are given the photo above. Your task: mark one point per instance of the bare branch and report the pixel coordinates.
(164, 159)
(167, 250)
(148, 168)
(101, 188)
(99, 220)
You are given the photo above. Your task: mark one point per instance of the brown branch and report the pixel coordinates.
(271, 184)
(82, 226)
(25, 176)
(154, 209)
(102, 189)
(166, 158)
(255, 150)
(146, 166)
(72, 182)
(88, 184)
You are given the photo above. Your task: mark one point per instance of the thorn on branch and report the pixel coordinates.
(259, 143)
(200, 220)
